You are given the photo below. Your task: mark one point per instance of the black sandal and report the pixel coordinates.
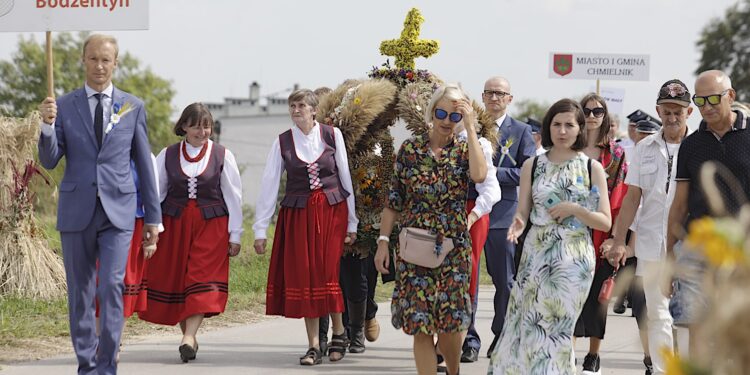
(338, 345)
(313, 354)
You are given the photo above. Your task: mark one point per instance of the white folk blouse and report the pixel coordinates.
(231, 183)
(309, 147)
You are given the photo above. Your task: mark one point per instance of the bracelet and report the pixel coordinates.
(383, 238)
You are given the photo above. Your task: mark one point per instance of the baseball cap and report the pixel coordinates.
(675, 92)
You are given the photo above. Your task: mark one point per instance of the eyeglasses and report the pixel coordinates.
(499, 94)
(453, 116)
(715, 99)
(598, 112)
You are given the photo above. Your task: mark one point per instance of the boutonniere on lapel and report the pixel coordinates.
(505, 151)
(118, 112)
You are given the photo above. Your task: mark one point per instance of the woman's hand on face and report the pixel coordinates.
(260, 246)
(563, 210)
(516, 229)
(350, 238)
(464, 107)
(234, 249)
(382, 258)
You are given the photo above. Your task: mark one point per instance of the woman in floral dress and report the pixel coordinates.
(557, 265)
(429, 186)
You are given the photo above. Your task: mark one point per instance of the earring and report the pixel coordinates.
(429, 125)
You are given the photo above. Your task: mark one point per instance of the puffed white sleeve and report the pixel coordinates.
(269, 191)
(162, 181)
(231, 188)
(342, 163)
(489, 189)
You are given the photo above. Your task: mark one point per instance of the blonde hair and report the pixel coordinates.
(100, 38)
(450, 91)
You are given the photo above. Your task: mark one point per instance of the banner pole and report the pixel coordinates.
(50, 67)
(597, 87)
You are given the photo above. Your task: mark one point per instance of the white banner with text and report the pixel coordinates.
(593, 66)
(73, 15)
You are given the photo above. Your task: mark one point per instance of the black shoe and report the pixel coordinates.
(591, 365)
(492, 346)
(649, 365)
(619, 308)
(469, 355)
(187, 353)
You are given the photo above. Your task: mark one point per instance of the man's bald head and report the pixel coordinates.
(497, 81)
(714, 78)
(716, 83)
(496, 96)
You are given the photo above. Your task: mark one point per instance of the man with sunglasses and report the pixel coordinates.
(722, 138)
(516, 145)
(651, 174)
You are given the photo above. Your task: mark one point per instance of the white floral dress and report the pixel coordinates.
(553, 279)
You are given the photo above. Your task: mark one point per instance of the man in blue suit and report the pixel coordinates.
(98, 129)
(516, 145)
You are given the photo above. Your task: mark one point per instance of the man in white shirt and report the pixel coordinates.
(651, 178)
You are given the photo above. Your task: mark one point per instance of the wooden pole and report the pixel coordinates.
(597, 87)
(50, 67)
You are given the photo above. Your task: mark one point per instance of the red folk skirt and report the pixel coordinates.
(188, 275)
(478, 233)
(303, 278)
(134, 293)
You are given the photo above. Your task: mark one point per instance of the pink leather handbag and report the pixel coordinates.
(417, 246)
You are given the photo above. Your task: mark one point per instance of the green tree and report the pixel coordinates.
(23, 82)
(529, 108)
(725, 45)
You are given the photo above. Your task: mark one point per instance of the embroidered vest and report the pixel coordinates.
(204, 188)
(302, 178)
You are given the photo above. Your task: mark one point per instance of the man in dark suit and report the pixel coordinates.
(516, 145)
(98, 129)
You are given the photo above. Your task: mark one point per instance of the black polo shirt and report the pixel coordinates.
(732, 150)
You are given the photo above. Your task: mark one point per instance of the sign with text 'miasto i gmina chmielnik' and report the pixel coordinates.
(593, 66)
(73, 15)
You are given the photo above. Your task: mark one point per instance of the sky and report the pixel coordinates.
(214, 49)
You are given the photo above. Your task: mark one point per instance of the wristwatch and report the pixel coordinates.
(383, 238)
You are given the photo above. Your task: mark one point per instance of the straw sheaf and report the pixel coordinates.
(487, 127)
(20, 136)
(327, 103)
(362, 108)
(28, 267)
(412, 102)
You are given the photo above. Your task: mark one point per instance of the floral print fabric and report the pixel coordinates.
(431, 194)
(553, 279)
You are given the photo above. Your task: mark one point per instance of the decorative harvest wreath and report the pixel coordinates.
(365, 110)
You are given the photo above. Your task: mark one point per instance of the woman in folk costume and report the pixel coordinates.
(316, 218)
(201, 194)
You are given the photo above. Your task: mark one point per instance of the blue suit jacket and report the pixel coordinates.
(107, 169)
(509, 173)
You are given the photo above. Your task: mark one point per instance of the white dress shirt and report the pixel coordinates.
(231, 183)
(647, 169)
(489, 189)
(309, 147)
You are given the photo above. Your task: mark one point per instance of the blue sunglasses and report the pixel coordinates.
(442, 114)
